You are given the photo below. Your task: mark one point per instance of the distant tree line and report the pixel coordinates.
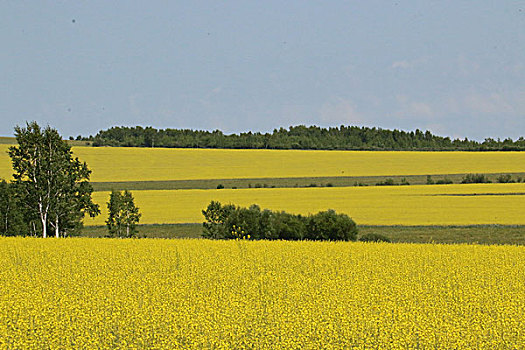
(297, 137)
(233, 222)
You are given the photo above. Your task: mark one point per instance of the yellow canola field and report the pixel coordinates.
(146, 164)
(200, 294)
(377, 205)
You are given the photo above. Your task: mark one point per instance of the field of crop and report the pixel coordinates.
(145, 164)
(170, 294)
(474, 204)
(153, 174)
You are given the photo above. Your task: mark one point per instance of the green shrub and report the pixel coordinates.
(387, 182)
(475, 179)
(505, 179)
(287, 226)
(231, 222)
(330, 226)
(374, 237)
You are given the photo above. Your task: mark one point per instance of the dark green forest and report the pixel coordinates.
(298, 137)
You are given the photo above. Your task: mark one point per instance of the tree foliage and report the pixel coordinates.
(123, 214)
(297, 137)
(230, 222)
(12, 221)
(52, 188)
(475, 179)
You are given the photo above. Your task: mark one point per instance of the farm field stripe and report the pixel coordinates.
(396, 205)
(146, 164)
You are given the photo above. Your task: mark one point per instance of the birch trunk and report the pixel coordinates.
(44, 226)
(6, 217)
(57, 231)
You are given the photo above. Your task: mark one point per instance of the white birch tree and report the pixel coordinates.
(53, 186)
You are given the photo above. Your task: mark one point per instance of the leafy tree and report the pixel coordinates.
(328, 225)
(215, 215)
(230, 221)
(251, 220)
(53, 187)
(123, 214)
(11, 217)
(288, 226)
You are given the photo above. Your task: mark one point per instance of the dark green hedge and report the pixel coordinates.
(230, 222)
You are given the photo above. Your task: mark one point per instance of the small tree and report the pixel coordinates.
(123, 215)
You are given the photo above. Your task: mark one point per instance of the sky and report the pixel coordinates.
(456, 68)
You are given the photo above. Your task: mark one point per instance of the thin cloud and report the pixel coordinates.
(401, 64)
(410, 109)
(340, 111)
(488, 104)
(406, 64)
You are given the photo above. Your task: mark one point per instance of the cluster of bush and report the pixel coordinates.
(230, 221)
(391, 182)
(475, 179)
(480, 179)
(506, 178)
(444, 181)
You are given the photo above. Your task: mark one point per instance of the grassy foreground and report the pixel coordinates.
(200, 294)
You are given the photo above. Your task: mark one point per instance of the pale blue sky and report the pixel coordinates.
(456, 68)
